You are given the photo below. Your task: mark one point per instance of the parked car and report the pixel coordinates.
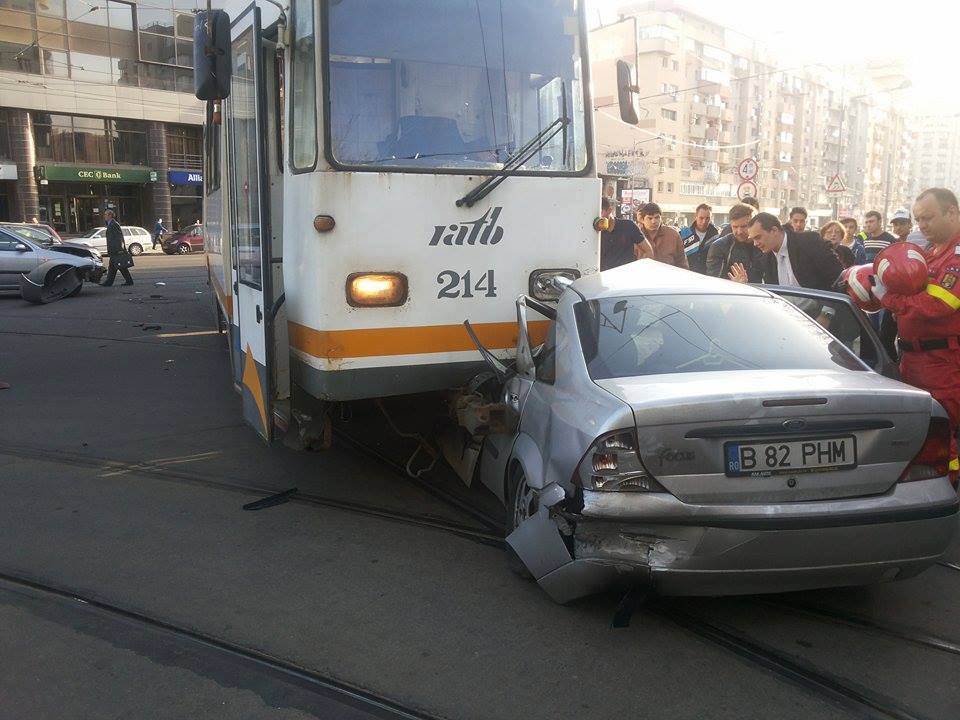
(703, 437)
(136, 238)
(185, 240)
(35, 231)
(42, 273)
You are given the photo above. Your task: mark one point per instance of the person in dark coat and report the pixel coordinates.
(158, 231)
(798, 259)
(115, 246)
(735, 248)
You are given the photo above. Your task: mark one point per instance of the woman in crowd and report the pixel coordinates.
(837, 235)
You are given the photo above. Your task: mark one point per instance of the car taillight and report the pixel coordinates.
(933, 460)
(612, 464)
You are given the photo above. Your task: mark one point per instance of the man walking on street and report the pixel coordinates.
(622, 242)
(877, 238)
(158, 231)
(798, 259)
(929, 322)
(798, 219)
(117, 251)
(698, 237)
(665, 241)
(736, 248)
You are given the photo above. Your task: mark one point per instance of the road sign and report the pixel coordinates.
(748, 169)
(747, 188)
(836, 185)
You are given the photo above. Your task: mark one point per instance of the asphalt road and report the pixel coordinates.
(133, 584)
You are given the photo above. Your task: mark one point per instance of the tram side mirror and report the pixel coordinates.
(211, 55)
(626, 90)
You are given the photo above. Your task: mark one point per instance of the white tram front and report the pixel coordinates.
(377, 172)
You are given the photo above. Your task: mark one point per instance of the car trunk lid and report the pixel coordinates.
(706, 437)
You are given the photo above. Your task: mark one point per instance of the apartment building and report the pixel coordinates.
(97, 112)
(936, 161)
(711, 97)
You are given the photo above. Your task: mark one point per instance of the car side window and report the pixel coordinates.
(545, 358)
(126, 232)
(8, 244)
(839, 319)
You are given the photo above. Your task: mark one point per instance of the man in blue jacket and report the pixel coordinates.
(698, 237)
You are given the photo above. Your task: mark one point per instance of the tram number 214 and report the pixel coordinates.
(455, 285)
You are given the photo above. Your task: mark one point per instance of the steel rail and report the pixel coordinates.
(322, 684)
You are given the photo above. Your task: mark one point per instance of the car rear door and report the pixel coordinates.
(837, 313)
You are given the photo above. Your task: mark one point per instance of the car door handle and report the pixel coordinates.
(259, 315)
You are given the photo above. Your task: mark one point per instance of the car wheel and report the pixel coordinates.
(183, 249)
(523, 502)
(135, 248)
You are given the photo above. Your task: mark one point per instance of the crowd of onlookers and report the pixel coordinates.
(752, 246)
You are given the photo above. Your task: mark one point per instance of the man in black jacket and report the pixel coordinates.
(735, 248)
(799, 259)
(115, 247)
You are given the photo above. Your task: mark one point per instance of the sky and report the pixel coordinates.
(923, 34)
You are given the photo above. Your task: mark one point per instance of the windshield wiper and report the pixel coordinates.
(514, 162)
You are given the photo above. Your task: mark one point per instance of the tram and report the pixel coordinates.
(379, 171)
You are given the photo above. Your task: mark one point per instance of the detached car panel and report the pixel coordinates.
(44, 274)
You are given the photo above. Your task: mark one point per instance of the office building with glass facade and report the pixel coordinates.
(97, 111)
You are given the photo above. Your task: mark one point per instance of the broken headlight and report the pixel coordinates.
(612, 464)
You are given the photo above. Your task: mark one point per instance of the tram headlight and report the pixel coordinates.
(543, 285)
(376, 289)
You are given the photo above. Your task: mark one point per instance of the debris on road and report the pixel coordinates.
(151, 327)
(271, 500)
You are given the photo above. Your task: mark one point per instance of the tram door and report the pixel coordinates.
(250, 222)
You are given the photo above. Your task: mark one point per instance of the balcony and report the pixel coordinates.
(657, 45)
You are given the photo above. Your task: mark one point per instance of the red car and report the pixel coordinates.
(186, 240)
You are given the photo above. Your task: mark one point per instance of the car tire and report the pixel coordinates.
(521, 503)
(77, 291)
(135, 249)
(183, 249)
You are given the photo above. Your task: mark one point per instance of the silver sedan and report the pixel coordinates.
(706, 438)
(44, 273)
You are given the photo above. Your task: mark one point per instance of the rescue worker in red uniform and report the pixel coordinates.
(929, 322)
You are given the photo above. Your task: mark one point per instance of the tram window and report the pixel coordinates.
(423, 84)
(211, 152)
(244, 171)
(303, 88)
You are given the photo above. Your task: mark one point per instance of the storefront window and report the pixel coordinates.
(5, 147)
(65, 138)
(90, 140)
(53, 137)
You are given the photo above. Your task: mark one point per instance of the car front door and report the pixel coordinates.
(17, 258)
(837, 313)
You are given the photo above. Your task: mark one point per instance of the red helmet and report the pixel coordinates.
(902, 268)
(859, 282)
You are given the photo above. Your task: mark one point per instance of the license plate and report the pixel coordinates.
(790, 456)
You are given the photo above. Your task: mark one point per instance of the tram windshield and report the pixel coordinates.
(423, 84)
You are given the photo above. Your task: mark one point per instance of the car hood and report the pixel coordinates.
(67, 257)
(731, 395)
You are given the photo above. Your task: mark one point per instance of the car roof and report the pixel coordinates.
(651, 277)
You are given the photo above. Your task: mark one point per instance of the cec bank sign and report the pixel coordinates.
(78, 173)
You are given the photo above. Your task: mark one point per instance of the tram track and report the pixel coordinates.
(479, 535)
(373, 704)
(860, 701)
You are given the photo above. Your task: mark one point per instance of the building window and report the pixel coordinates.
(98, 141)
(675, 64)
(672, 163)
(165, 32)
(669, 187)
(659, 187)
(665, 62)
(185, 147)
(6, 150)
(129, 142)
(669, 114)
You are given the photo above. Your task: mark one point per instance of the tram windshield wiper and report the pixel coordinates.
(515, 161)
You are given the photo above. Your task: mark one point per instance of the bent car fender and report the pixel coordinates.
(52, 280)
(527, 453)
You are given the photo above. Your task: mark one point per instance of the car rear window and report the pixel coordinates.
(660, 334)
